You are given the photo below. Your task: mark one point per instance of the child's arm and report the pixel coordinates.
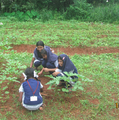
(21, 90)
(32, 62)
(55, 74)
(40, 72)
(20, 96)
(48, 70)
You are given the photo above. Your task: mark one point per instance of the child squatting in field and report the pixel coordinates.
(29, 91)
(37, 57)
(50, 61)
(64, 65)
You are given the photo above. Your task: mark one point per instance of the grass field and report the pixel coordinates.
(95, 102)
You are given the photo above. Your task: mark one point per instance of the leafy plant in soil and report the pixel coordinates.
(77, 86)
(10, 69)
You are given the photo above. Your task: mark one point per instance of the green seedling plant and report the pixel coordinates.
(54, 33)
(10, 69)
(67, 79)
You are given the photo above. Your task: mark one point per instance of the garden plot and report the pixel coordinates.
(100, 64)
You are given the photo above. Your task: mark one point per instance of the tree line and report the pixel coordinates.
(58, 5)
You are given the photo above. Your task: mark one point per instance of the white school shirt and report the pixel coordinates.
(56, 63)
(29, 107)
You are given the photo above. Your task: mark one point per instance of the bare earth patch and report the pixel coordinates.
(68, 50)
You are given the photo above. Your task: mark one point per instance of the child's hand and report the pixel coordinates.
(40, 73)
(46, 69)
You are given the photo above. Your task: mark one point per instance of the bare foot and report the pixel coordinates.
(41, 107)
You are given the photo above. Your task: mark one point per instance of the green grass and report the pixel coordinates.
(60, 33)
(103, 69)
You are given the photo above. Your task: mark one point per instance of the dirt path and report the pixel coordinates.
(68, 50)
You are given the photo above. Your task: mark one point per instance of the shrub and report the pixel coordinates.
(24, 16)
(109, 13)
(79, 10)
(46, 15)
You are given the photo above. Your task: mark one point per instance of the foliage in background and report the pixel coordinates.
(79, 10)
(101, 2)
(23, 16)
(25, 5)
(108, 13)
(58, 5)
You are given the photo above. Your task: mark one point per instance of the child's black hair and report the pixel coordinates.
(29, 72)
(43, 52)
(40, 43)
(59, 57)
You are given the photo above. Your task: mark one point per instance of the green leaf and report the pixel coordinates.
(34, 13)
(65, 90)
(58, 89)
(4, 88)
(1, 82)
(81, 88)
(29, 14)
(1, 97)
(50, 82)
(49, 88)
(57, 82)
(6, 92)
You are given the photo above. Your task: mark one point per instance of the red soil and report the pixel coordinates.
(68, 50)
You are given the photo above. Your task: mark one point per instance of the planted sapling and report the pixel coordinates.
(77, 85)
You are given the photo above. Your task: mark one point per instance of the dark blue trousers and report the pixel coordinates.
(48, 65)
(38, 63)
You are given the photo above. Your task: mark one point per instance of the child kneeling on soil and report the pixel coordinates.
(50, 62)
(37, 57)
(65, 65)
(29, 90)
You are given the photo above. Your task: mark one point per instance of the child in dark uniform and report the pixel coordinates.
(29, 91)
(65, 65)
(37, 57)
(50, 61)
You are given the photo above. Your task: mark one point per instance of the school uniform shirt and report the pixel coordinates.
(37, 55)
(56, 63)
(27, 93)
(51, 57)
(68, 65)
